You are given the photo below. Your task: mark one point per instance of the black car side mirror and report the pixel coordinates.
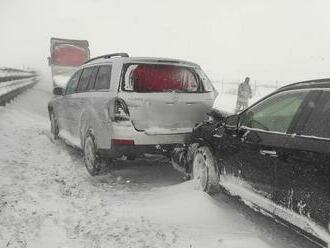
(58, 91)
(231, 122)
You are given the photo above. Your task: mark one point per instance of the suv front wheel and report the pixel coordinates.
(92, 162)
(54, 126)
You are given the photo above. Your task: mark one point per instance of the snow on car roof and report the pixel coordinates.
(144, 59)
(315, 83)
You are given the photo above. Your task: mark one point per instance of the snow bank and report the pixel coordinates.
(237, 187)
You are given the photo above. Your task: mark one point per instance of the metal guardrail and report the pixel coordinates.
(14, 82)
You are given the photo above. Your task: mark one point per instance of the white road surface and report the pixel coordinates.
(47, 199)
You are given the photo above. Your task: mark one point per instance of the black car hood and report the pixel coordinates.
(218, 114)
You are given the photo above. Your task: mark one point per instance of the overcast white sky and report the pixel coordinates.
(267, 40)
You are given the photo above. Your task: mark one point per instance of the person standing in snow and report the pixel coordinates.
(243, 95)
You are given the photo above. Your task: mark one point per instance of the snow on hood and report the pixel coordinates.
(61, 80)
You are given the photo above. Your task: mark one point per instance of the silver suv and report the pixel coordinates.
(117, 105)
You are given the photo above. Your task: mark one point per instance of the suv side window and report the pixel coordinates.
(84, 79)
(275, 113)
(92, 78)
(103, 78)
(318, 123)
(72, 84)
(206, 81)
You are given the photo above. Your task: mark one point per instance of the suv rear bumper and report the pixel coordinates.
(117, 151)
(126, 131)
(143, 142)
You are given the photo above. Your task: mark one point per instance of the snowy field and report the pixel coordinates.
(227, 95)
(47, 199)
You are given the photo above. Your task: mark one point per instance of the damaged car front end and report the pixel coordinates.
(274, 156)
(204, 132)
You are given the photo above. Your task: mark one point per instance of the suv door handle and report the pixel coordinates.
(270, 153)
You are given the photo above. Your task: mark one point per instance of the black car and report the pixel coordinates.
(275, 155)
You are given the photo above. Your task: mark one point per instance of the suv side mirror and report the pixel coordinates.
(58, 91)
(231, 122)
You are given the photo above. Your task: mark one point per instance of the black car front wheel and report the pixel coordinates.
(205, 171)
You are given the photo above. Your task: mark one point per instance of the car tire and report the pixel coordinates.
(54, 130)
(91, 159)
(205, 171)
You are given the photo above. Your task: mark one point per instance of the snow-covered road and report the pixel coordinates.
(47, 199)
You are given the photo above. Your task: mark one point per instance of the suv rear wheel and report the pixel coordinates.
(92, 162)
(54, 126)
(205, 171)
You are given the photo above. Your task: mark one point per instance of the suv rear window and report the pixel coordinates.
(159, 78)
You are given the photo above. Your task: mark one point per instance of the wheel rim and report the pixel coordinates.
(90, 156)
(200, 171)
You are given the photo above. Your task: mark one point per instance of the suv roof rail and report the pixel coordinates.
(108, 56)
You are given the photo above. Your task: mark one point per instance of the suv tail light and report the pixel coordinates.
(119, 110)
(122, 142)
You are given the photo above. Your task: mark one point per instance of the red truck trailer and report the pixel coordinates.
(65, 56)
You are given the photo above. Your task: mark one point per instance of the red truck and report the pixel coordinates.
(65, 56)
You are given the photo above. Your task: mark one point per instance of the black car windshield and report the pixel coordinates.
(275, 113)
